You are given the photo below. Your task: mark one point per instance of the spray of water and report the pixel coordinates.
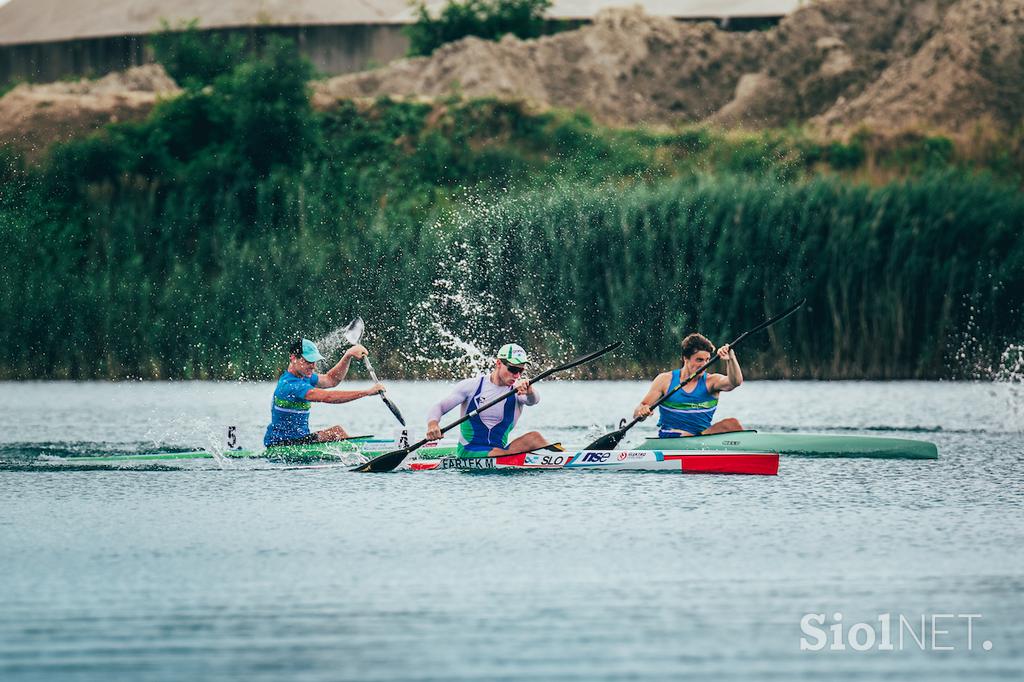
(1009, 379)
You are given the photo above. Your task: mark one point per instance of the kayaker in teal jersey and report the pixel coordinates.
(691, 409)
(487, 434)
(300, 386)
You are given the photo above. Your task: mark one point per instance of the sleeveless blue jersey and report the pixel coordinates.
(289, 409)
(691, 412)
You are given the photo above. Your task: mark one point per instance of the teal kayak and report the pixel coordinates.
(801, 444)
(287, 453)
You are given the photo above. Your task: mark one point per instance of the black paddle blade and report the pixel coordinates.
(394, 409)
(383, 463)
(608, 441)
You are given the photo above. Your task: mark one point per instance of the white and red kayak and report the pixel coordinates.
(717, 462)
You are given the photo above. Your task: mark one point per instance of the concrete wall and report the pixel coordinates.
(332, 49)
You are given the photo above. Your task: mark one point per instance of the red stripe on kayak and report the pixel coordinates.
(424, 466)
(764, 464)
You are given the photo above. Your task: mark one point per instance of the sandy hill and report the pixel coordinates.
(836, 64)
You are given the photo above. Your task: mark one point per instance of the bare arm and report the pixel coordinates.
(733, 376)
(658, 388)
(319, 395)
(335, 375)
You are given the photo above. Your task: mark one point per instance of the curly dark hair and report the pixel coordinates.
(696, 342)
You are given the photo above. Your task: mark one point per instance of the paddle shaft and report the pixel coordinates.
(504, 396)
(391, 405)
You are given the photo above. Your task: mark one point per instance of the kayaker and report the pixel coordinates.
(300, 386)
(487, 434)
(691, 410)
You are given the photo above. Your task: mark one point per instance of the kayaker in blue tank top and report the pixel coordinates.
(300, 386)
(690, 410)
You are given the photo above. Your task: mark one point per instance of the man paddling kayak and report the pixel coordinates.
(691, 409)
(300, 386)
(486, 434)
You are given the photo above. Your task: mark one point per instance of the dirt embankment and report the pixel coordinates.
(836, 64)
(35, 116)
(839, 64)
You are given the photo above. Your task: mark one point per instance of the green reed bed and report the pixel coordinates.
(899, 278)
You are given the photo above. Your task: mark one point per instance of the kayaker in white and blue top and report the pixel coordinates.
(487, 434)
(300, 386)
(690, 410)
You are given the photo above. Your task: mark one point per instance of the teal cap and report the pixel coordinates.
(310, 352)
(513, 354)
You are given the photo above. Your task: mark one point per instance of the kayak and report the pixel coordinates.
(723, 462)
(801, 444)
(288, 453)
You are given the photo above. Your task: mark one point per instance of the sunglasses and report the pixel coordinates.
(513, 369)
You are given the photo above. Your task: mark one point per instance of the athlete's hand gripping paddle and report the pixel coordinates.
(352, 334)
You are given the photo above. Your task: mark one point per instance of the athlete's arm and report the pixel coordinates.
(335, 375)
(460, 394)
(319, 395)
(733, 376)
(658, 388)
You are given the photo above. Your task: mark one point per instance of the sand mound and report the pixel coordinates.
(33, 117)
(969, 68)
(839, 63)
(626, 67)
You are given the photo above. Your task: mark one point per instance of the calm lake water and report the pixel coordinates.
(254, 572)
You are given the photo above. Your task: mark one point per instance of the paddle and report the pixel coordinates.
(352, 334)
(389, 460)
(610, 440)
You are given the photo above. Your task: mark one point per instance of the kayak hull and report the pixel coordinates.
(799, 444)
(288, 453)
(725, 462)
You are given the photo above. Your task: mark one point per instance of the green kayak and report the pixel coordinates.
(287, 453)
(802, 444)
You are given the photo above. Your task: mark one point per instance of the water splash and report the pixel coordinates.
(333, 342)
(470, 309)
(1008, 378)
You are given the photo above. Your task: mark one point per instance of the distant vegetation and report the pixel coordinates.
(195, 59)
(487, 19)
(195, 243)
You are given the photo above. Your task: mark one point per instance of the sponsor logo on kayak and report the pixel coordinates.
(892, 632)
(596, 457)
(622, 455)
(546, 460)
(467, 463)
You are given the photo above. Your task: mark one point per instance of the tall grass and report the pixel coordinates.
(144, 284)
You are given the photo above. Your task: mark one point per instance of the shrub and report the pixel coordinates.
(487, 19)
(193, 58)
